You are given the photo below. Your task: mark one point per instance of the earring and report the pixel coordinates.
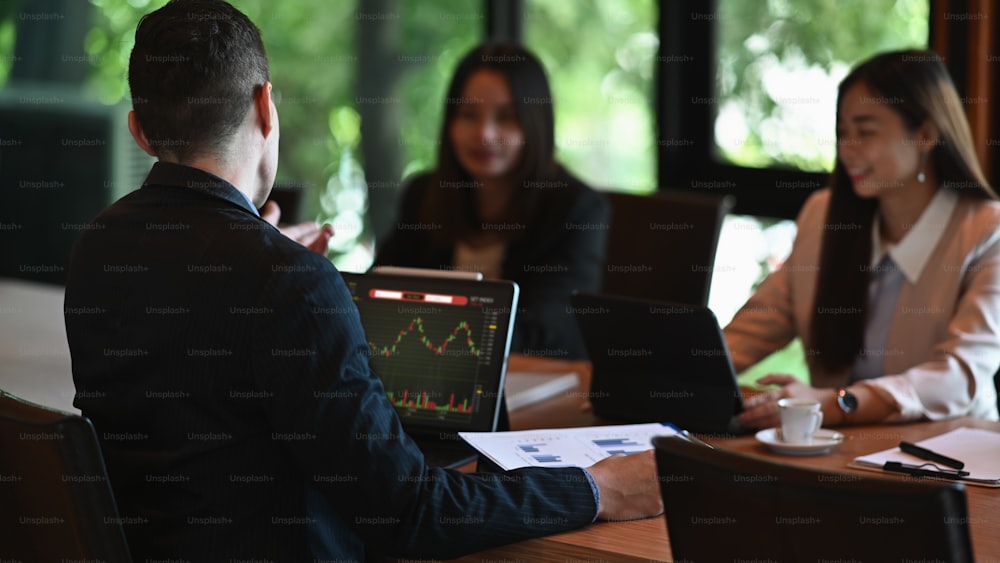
(921, 177)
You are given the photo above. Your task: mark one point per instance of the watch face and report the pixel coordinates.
(848, 401)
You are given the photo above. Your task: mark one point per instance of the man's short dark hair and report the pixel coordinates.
(192, 73)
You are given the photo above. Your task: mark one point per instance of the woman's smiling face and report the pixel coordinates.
(878, 151)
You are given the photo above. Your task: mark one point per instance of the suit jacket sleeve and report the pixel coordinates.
(333, 412)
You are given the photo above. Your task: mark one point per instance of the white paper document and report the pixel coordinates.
(979, 449)
(565, 447)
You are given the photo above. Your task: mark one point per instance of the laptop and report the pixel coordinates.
(657, 361)
(440, 346)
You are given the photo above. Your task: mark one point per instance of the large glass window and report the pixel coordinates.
(315, 70)
(437, 34)
(312, 59)
(416, 57)
(600, 57)
(312, 54)
(779, 65)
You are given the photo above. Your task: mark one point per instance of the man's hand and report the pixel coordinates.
(310, 235)
(629, 486)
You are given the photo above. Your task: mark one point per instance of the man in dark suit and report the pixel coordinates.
(225, 367)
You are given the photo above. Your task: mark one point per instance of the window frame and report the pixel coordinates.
(685, 70)
(688, 32)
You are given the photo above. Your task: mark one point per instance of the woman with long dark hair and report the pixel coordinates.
(893, 283)
(500, 204)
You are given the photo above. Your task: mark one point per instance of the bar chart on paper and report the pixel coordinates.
(537, 451)
(620, 446)
(565, 447)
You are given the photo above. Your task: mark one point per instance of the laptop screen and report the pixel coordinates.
(440, 346)
(658, 362)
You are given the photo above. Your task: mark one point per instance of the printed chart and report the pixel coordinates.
(565, 447)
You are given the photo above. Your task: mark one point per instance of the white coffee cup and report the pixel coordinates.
(800, 419)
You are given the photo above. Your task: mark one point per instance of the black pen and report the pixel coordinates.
(917, 471)
(924, 453)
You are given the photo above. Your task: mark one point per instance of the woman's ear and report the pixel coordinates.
(927, 136)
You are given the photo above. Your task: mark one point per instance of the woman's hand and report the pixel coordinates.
(761, 410)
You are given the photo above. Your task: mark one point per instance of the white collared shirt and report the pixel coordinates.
(250, 201)
(911, 253)
(907, 260)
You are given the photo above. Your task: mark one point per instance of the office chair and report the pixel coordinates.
(725, 506)
(57, 503)
(662, 246)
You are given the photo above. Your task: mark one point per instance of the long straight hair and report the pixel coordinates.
(916, 85)
(451, 197)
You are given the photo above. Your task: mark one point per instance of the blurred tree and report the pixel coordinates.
(416, 63)
(312, 58)
(780, 61)
(436, 34)
(315, 67)
(600, 58)
(312, 69)
(8, 28)
(6, 46)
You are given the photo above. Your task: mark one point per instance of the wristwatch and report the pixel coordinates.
(847, 401)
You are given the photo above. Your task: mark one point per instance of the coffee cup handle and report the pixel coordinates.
(819, 422)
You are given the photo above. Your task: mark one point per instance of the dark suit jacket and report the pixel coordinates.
(562, 252)
(225, 369)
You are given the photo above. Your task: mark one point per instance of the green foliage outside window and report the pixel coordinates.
(436, 34)
(600, 57)
(6, 46)
(314, 66)
(311, 49)
(778, 68)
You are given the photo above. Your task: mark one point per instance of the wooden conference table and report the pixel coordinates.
(34, 363)
(646, 540)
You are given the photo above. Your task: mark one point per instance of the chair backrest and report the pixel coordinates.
(57, 503)
(662, 246)
(725, 506)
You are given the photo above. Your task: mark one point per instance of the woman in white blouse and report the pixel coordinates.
(893, 283)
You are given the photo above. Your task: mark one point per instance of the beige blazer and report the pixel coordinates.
(943, 346)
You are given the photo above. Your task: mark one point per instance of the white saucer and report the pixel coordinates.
(822, 442)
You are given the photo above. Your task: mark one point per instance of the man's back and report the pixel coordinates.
(226, 371)
(175, 286)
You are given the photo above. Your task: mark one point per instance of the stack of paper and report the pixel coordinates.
(565, 447)
(979, 449)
